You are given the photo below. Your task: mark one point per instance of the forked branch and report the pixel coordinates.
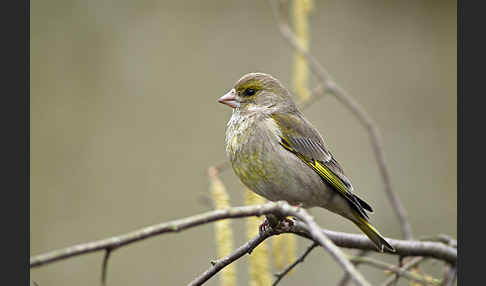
(305, 227)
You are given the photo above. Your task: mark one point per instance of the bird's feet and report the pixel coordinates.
(284, 224)
(265, 226)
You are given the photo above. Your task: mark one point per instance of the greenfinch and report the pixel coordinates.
(279, 155)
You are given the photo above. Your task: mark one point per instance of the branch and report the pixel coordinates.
(319, 236)
(344, 281)
(406, 247)
(405, 267)
(281, 208)
(280, 15)
(104, 267)
(291, 266)
(403, 247)
(444, 238)
(223, 262)
(450, 276)
(397, 270)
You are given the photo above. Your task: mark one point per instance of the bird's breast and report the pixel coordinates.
(252, 145)
(249, 134)
(265, 167)
(237, 134)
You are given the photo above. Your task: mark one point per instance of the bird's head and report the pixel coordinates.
(258, 92)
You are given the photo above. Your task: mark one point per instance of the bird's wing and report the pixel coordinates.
(301, 138)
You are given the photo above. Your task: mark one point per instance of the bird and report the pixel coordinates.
(278, 154)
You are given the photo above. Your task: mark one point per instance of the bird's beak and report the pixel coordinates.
(229, 99)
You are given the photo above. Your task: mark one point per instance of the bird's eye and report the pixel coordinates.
(249, 92)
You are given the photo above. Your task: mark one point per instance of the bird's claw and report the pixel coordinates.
(283, 225)
(265, 226)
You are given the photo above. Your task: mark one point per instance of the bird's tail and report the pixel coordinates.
(373, 234)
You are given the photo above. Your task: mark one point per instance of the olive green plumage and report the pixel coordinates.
(279, 155)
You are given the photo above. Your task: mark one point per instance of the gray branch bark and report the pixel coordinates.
(281, 208)
(306, 228)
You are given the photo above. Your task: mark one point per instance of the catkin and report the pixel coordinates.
(224, 233)
(278, 252)
(290, 244)
(301, 10)
(259, 269)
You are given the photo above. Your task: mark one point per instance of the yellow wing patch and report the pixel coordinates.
(330, 177)
(320, 169)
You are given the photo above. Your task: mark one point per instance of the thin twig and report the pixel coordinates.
(104, 267)
(444, 238)
(217, 265)
(280, 14)
(450, 276)
(281, 275)
(344, 281)
(413, 262)
(397, 270)
(401, 260)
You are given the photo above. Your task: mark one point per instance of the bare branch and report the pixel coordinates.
(415, 261)
(344, 281)
(324, 241)
(299, 229)
(291, 266)
(281, 208)
(221, 263)
(397, 270)
(104, 267)
(403, 247)
(450, 276)
(444, 238)
(311, 229)
(280, 13)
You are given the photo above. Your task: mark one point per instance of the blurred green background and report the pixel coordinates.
(124, 122)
